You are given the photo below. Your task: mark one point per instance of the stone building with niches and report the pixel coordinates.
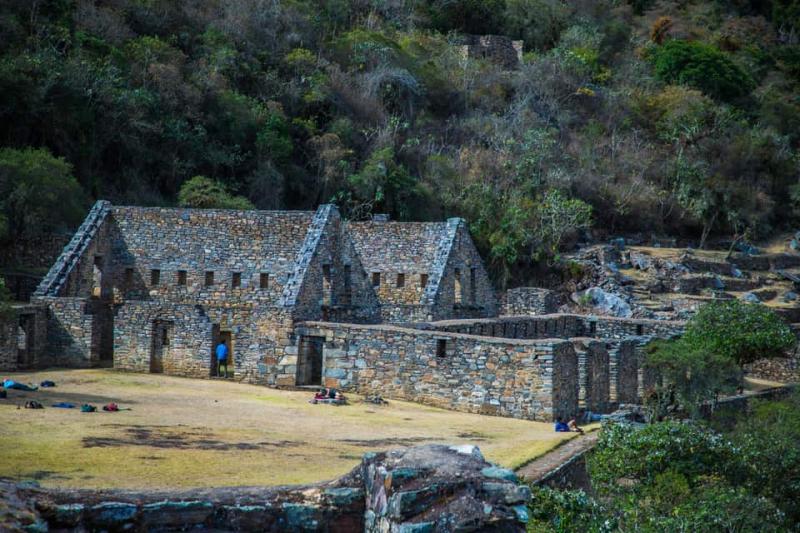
(306, 298)
(154, 289)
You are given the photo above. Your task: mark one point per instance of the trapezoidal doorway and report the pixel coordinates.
(227, 337)
(159, 350)
(309, 360)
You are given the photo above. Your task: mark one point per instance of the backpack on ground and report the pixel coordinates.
(87, 408)
(33, 404)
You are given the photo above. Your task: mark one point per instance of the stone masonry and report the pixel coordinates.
(401, 309)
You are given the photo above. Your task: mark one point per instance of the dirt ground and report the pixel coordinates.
(199, 433)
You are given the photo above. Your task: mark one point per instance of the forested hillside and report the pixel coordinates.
(670, 117)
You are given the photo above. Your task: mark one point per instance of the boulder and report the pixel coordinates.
(441, 488)
(749, 297)
(607, 303)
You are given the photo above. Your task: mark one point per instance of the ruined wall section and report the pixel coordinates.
(399, 259)
(461, 286)
(559, 326)
(71, 275)
(529, 301)
(209, 246)
(515, 378)
(77, 317)
(329, 281)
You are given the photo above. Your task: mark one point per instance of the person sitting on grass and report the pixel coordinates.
(222, 358)
(561, 427)
(573, 426)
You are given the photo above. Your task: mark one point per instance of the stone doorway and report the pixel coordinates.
(162, 341)
(25, 341)
(219, 335)
(309, 360)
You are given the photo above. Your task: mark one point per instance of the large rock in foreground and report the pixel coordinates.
(433, 488)
(441, 488)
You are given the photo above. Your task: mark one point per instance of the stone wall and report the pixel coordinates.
(782, 369)
(593, 374)
(517, 378)
(529, 301)
(498, 49)
(412, 490)
(8, 343)
(559, 326)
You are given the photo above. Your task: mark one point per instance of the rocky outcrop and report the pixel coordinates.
(441, 488)
(424, 489)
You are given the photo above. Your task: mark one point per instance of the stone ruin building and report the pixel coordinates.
(401, 309)
(497, 49)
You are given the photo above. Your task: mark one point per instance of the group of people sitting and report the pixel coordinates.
(566, 427)
(328, 395)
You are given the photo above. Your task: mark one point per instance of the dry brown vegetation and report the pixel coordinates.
(199, 433)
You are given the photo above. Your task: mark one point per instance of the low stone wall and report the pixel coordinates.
(782, 369)
(529, 301)
(561, 325)
(530, 379)
(8, 342)
(427, 488)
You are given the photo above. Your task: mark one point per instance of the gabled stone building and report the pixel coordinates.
(153, 289)
(401, 309)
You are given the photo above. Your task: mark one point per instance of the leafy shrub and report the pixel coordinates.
(38, 193)
(702, 66)
(205, 193)
(640, 456)
(739, 331)
(565, 511)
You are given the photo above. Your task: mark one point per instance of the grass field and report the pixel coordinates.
(198, 433)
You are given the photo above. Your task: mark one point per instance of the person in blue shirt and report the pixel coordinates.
(222, 358)
(561, 427)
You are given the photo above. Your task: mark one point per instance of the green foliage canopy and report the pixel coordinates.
(38, 193)
(739, 331)
(205, 193)
(702, 66)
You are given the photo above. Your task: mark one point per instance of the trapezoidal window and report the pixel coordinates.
(376, 279)
(423, 280)
(155, 277)
(639, 329)
(401, 280)
(473, 289)
(441, 347)
(457, 286)
(181, 277)
(209, 281)
(263, 280)
(348, 285)
(327, 285)
(128, 277)
(236, 280)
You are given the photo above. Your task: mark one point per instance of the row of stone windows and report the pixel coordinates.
(400, 280)
(181, 277)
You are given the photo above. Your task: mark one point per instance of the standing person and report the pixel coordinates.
(222, 358)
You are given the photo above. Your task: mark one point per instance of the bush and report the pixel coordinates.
(642, 456)
(202, 192)
(739, 331)
(38, 193)
(702, 66)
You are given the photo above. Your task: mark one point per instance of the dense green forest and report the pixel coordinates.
(672, 117)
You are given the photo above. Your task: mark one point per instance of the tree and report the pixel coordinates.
(556, 217)
(38, 193)
(739, 331)
(694, 376)
(205, 193)
(702, 66)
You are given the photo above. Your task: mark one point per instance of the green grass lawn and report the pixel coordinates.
(200, 433)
